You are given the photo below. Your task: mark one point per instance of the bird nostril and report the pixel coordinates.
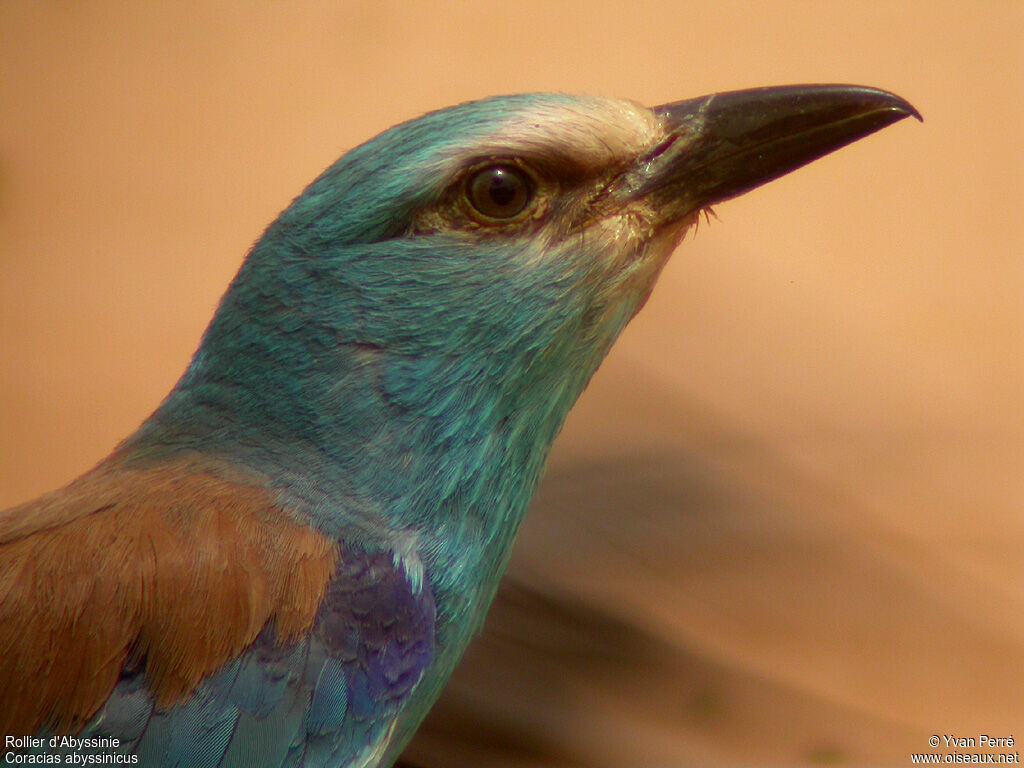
(660, 149)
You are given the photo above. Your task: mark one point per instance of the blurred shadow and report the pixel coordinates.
(559, 677)
(717, 606)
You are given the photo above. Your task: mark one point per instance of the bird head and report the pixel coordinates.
(486, 211)
(449, 287)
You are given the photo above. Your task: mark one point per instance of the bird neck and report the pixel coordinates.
(385, 409)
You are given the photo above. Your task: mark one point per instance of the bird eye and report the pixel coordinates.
(500, 191)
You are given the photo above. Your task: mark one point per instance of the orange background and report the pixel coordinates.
(801, 469)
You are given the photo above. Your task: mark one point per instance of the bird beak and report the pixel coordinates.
(722, 145)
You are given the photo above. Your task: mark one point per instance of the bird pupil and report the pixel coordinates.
(504, 188)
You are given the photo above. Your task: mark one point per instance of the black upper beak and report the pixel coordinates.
(722, 145)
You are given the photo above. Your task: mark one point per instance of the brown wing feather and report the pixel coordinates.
(173, 563)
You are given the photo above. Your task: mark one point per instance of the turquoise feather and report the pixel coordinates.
(394, 367)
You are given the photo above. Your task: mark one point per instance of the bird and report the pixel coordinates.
(285, 562)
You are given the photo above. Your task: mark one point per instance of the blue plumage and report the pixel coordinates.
(288, 558)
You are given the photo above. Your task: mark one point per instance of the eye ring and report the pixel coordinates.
(500, 191)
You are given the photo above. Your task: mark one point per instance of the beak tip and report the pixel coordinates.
(903, 107)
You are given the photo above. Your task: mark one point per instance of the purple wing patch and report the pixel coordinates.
(379, 628)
